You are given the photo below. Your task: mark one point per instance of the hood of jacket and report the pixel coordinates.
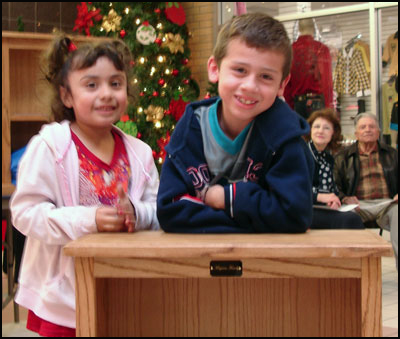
(57, 136)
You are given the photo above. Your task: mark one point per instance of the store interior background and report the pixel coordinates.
(336, 30)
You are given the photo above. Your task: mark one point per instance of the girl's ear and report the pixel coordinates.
(212, 68)
(65, 97)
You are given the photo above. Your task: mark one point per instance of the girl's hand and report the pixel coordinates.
(108, 219)
(125, 209)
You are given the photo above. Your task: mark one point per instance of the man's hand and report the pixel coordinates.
(215, 197)
(350, 200)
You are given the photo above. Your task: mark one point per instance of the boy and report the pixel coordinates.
(238, 163)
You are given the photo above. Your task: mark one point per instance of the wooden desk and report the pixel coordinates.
(322, 283)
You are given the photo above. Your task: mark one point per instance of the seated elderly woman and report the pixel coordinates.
(325, 138)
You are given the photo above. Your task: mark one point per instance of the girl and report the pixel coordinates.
(79, 175)
(325, 138)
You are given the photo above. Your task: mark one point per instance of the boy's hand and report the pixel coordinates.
(126, 209)
(215, 197)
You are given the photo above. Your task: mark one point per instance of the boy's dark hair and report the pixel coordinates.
(60, 59)
(329, 115)
(256, 30)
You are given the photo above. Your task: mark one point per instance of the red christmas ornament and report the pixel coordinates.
(125, 118)
(177, 108)
(162, 142)
(175, 13)
(122, 34)
(85, 18)
(157, 11)
(158, 41)
(139, 135)
(155, 94)
(186, 81)
(185, 61)
(141, 94)
(161, 82)
(175, 72)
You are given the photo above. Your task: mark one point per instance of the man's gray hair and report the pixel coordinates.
(365, 115)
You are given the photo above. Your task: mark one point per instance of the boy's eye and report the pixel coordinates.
(116, 84)
(91, 85)
(240, 70)
(266, 77)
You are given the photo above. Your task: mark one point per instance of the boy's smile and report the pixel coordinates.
(249, 80)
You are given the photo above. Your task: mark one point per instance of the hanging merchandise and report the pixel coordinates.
(389, 97)
(310, 84)
(394, 120)
(390, 54)
(350, 75)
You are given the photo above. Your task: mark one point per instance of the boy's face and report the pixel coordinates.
(249, 79)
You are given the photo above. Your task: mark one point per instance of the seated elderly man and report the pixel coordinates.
(366, 174)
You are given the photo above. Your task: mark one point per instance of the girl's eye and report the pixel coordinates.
(116, 84)
(91, 85)
(266, 77)
(240, 70)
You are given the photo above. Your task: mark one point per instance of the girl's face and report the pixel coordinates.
(321, 133)
(98, 94)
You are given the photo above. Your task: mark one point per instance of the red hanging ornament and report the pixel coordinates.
(186, 81)
(185, 61)
(125, 118)
(139, 135)
(157, 11)
(122, 34)
(175, 72)
(161, 82)
(175, 13)
(155, 94)
(158, 41)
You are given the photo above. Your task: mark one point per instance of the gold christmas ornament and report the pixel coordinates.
(111, 22)
(174, 42)
(154, 113)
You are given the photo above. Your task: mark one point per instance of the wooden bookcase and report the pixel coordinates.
(25, 107)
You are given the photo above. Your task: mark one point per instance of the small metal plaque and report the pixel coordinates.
(226, 268)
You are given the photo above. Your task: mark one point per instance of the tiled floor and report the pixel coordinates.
(389, 304)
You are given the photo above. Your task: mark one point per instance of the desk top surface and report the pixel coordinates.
(157, 244)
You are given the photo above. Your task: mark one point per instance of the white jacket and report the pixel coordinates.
(45, 208)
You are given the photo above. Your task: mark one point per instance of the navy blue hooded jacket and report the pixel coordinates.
(275, 194)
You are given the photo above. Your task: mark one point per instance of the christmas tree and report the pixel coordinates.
(157, 36)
